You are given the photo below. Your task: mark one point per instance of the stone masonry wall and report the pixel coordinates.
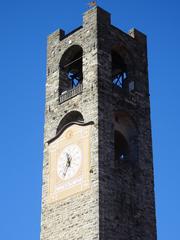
(120, 203)
(76, 217)
(127, 209)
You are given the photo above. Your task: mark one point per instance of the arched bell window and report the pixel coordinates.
(71, 69)
(119, 70)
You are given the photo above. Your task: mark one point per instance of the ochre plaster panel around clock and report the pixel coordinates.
(69, 162)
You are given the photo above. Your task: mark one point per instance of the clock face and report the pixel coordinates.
(69, 162)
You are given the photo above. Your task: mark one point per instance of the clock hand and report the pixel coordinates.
(68, 163)
(69, 159)
(65, 171)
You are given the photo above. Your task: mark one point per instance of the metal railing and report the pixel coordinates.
(70, 93)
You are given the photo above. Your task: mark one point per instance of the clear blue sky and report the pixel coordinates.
(24, 26)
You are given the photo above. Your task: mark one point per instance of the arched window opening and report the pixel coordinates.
(121, 147)
(71, 69)
(125, 138)
(72, 117)
(119, 70)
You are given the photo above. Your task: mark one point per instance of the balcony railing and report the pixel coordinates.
(70, 93)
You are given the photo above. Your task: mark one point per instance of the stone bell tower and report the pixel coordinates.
(98, 169)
